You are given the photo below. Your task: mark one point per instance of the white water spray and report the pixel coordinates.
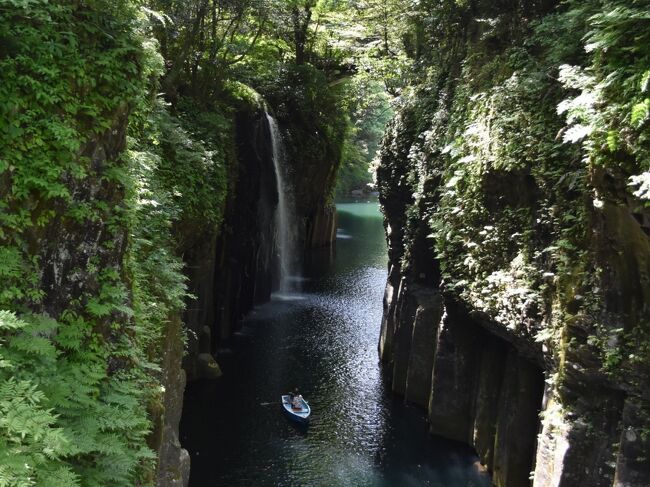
(284, 213)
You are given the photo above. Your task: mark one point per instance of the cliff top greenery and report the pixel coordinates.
(524, 145)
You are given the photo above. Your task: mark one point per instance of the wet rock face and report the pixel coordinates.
(173, 460)
(320, 228)
(71, 251)
(477, 388)
(515, 311)
(529, 409)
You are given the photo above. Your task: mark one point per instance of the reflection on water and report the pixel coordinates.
(323, 341)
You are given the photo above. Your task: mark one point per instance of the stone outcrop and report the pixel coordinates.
(173, 460)
(68, 247)
(477, 387)
(321, 227)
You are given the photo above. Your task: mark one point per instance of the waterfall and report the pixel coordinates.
(284, 212)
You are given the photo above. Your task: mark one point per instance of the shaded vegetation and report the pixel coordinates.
(117, 156)
(524, 148)
(527, 117)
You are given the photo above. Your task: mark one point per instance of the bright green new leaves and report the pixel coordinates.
(63, 420)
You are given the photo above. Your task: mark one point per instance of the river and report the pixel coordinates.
(324, 341)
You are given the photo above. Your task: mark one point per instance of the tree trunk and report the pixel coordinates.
(301, 21)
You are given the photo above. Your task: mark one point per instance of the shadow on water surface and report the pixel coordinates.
(325, 343)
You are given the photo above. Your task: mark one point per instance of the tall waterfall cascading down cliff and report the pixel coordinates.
(285, 214)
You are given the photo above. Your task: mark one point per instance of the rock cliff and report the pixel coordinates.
(516, 308)
(232, 269)
(125, 215)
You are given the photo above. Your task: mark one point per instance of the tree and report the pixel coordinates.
(301, 16)
(201, 39)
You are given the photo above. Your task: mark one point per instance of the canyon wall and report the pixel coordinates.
(236, 267)
(516, 308)
(230, 268)
(233, 268)
(136, 229)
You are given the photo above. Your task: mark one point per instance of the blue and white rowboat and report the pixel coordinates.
(294, 414)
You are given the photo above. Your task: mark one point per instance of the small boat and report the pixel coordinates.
(299, 415)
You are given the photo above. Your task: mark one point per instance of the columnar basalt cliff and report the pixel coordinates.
(516, 308)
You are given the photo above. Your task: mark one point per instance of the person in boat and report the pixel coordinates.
(292, 394)
(296, 399)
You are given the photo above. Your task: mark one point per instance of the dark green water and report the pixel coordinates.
(323, 340)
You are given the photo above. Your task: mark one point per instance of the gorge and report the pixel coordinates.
(177, 246)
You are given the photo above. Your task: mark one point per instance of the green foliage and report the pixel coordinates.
(369, 110)
(381, 37)
(203, 40)
(529, 127)
(159, 289)
(314, 115)
(65, 421)
(72, 395)
(192, 171)
(67, 73)
(609, 115)
(490, 248)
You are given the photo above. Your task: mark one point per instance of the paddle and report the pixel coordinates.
(270, 403)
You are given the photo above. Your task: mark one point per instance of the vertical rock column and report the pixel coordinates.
(429, 311)
(517, 421)
(386, 336)
(454, 378)
(478, 388)
(231, 269)
(321, 228)
(492, 367)
(173, 461)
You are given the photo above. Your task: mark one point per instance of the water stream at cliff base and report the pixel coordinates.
(326, 344)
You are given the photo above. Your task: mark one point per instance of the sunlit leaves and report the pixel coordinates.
(641, 183)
